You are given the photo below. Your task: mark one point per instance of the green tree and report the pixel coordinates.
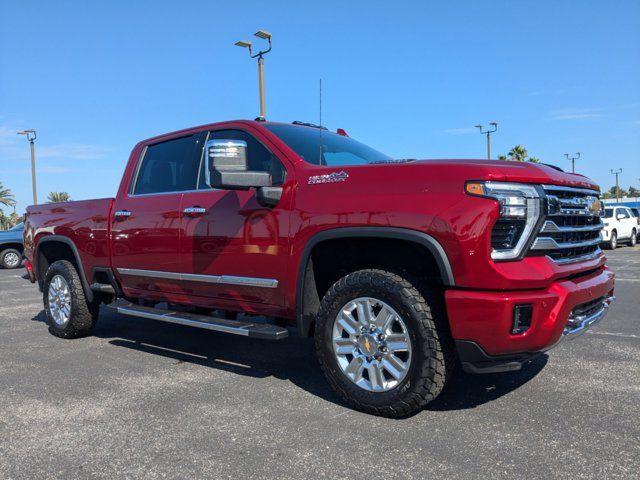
(611, 193)
(633, 192)
(6, 197)
(14, 219)
(518, 153)
(58, 197)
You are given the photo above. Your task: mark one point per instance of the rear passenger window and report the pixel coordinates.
(169, 166)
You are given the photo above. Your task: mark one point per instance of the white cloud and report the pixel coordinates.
(576, 113)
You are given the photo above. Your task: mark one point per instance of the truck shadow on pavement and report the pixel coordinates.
(292, 359)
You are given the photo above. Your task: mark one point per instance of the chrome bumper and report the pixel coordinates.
(578, 324)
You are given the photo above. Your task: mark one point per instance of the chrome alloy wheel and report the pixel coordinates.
(371, 344)
(11, 259)
(59, 299)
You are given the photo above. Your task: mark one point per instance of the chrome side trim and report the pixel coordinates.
(548, 243)
(192, 277)
(578, 324)
(551, 227)
(582, 258)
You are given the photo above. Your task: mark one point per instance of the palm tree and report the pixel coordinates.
(518, 153)
(6, 197)
(58, 197)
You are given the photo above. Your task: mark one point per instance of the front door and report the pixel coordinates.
(235, 250)
(145, 227)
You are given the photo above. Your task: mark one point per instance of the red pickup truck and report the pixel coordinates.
(400, 269)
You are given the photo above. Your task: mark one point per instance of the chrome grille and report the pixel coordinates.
(571, 229)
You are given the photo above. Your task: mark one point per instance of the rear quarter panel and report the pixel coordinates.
(85, 223)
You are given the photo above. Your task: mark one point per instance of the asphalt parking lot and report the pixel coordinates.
(141, 399)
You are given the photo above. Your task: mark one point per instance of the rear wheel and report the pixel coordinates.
(382, 344)
(10, 258)
(69, 314)
(633, 239)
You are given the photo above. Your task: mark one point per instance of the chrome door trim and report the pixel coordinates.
(192, 277)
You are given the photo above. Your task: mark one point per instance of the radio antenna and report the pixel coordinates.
(320, 146)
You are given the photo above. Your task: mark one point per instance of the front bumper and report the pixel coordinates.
(481, 321)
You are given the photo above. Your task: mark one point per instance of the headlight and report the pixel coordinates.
(519, 205)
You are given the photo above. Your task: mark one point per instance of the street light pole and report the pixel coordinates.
(244, 44)
(573, 160)
(488, 133)
(31, 136)
(616, 173)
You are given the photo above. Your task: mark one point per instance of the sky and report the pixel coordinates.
(409, 78)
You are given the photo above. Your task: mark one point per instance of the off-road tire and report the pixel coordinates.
(433, 354)
(84, 314)
(7, 252)
(634, 238)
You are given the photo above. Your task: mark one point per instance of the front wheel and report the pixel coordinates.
(69, 313)
(613, 243)
(383, 345)
(633, 239)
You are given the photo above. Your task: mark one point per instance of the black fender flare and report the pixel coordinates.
(61, 239)
(444, 266)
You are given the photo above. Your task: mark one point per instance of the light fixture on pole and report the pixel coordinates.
(617, 173)
(488, 132)
(31, 136)
(573, 160)
(245, 44)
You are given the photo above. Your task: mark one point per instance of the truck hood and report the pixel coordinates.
(504, 170)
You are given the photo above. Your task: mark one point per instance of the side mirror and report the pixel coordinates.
(620, 217)
(228, 168)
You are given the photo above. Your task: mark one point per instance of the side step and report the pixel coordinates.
(263, 331)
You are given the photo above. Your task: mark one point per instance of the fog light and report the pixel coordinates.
(522, 315)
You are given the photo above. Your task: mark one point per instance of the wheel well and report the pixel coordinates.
(332, 259)
(49, 252)
(15, 246)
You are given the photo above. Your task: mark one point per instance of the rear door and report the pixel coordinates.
(624, 222)
(145, 228)
(234, 249)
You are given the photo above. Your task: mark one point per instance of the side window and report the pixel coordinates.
(259, 158)
(168, 167)
(623, 212)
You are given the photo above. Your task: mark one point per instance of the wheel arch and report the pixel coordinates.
(14, 245)
(307, 299)
(60, 248)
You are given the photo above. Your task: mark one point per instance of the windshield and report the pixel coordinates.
(322, 147)
(19, 226)
(608, 212)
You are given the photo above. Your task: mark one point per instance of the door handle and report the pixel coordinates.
(122, 214)
(193, 211)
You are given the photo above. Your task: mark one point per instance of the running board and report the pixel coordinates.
(263, 331)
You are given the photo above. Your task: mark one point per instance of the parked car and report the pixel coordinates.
(395, 267)
(11, 248)
(619, 224)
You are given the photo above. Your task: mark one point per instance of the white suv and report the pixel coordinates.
(619, 224)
